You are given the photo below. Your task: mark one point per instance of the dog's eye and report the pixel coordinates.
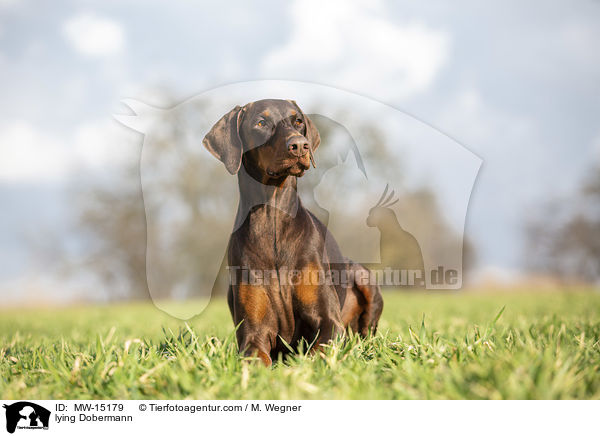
(298, 122)
(261, 123)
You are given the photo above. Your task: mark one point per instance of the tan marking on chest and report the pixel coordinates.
(307, 289)
(255, 301)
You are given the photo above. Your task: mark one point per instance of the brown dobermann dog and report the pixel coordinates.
(286, 282)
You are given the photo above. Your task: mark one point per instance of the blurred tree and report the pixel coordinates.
(563, 239)
(114, 226)
(122, 218)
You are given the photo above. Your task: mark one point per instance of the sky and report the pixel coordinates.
(516, 83)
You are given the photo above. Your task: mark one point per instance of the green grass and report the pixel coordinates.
(429, 346)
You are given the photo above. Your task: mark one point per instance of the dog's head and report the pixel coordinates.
(274, 139)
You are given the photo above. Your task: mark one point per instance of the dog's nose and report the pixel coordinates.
(297, 146)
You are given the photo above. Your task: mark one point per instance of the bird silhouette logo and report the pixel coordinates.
(399, 249)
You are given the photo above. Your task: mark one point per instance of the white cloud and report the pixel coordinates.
(30, 155)
(94, 36)
(356, 46)
(101, 143)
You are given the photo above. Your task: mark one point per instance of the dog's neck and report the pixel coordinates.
(255, 194)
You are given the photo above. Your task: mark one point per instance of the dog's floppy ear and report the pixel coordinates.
(312, 134)
(224, 141)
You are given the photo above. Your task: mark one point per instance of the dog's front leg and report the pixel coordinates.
(319, 311)
(257, 329)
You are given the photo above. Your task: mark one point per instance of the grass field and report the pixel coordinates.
(429, 346)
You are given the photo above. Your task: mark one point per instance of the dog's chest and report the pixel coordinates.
(270, 237)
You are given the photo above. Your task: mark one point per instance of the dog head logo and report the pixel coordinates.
(26, 415)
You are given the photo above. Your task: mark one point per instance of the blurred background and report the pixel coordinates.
(515, 83)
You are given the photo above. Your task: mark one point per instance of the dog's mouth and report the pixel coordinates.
(275, 174)
(296, 170)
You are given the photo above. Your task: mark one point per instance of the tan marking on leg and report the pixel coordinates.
(265, 358)
(255, 302)
(352, 309)
(308, 287)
